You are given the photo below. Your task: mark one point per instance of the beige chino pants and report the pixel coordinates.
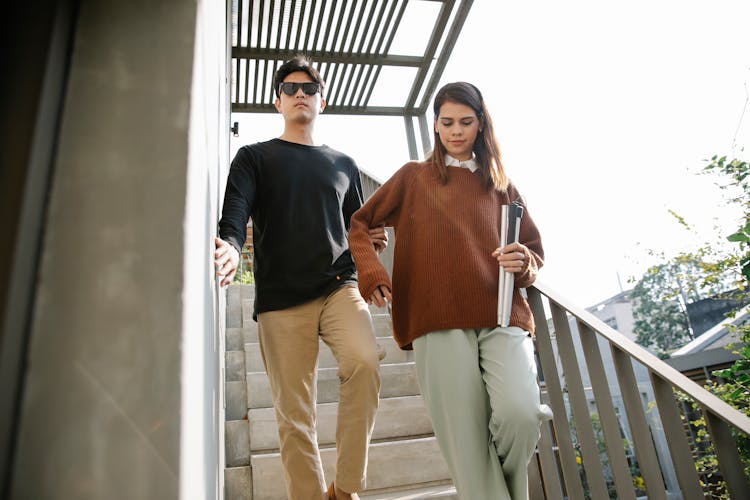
(289, 346)
(481, 391)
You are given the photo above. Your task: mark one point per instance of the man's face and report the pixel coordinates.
(299, 107)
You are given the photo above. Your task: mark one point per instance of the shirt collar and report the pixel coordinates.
(471, 163)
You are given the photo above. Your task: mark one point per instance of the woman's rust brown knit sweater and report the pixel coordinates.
(444, 275)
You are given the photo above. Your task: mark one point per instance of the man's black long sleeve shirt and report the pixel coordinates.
(300, 199)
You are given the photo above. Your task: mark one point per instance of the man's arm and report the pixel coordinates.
(380, 210)
(352, 203)
(238, 201)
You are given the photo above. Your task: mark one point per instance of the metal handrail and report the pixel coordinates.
(583, 455)
(724, 411)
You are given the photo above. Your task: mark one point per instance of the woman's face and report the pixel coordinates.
(457, 125)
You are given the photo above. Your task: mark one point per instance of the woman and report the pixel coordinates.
(478, 379)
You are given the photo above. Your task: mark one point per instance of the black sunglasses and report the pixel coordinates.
(291, 88)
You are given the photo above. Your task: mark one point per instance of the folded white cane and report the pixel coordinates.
(502, 274)
(510, 229)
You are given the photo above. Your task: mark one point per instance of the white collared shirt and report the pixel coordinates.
(471, 163)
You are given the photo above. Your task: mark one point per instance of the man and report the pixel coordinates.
(300, 196)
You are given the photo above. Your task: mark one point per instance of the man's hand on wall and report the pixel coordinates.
(226, 260)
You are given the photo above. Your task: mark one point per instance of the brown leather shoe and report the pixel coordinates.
(332, 493)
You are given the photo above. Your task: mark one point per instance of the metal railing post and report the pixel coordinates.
(726, 451)
(642, 441)
(676, 439)
(554, 390)
(722, 420)
(577, 398)
(607, 416)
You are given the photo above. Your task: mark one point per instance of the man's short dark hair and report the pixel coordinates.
(297, 63)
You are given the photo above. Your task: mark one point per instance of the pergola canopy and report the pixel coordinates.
(378, 57)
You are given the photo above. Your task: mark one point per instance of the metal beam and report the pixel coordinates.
(424, 132)
(328, 57)
(411, 138)
(350, 44)
(330, 110)
(437, 34)
(445, 53)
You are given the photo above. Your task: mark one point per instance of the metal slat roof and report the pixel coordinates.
(378, 57)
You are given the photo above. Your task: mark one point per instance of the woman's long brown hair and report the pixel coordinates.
(485, 147)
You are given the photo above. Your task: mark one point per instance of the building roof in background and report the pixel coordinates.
(378, 57)
(707, 352)
(623, 296)
(716, 337)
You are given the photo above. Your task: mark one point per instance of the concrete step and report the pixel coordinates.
(243, 335)
(393, 464)
(443, 491)
(238, 483)
(234, 366)
(234, 316)
(381, 321)
(248, 305)
(239, 331)
(235, 339)
(236, 296)
(377, 310)
(396, 418)
(399, 379)
(237, 443)
(233, 296)
(235, 400)
(237, 293)
(393, 354)
(382, 325)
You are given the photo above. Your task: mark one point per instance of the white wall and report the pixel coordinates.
(201, 453)
(122, 397)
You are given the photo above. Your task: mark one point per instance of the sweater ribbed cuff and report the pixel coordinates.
(370, 281)
(527, 277)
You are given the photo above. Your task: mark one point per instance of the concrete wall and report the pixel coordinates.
(31, 98)
(202, 437)
(122, 397)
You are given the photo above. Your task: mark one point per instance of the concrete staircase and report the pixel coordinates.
(404, 463)
(237, 474)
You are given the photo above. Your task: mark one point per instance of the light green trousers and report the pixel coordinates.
(481, 391)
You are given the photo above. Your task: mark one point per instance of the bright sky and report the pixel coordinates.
(604, 112)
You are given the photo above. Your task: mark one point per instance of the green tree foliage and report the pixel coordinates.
(660, 323)
(661, 296)
(736, 387)
(737, 186)
(731, 268)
